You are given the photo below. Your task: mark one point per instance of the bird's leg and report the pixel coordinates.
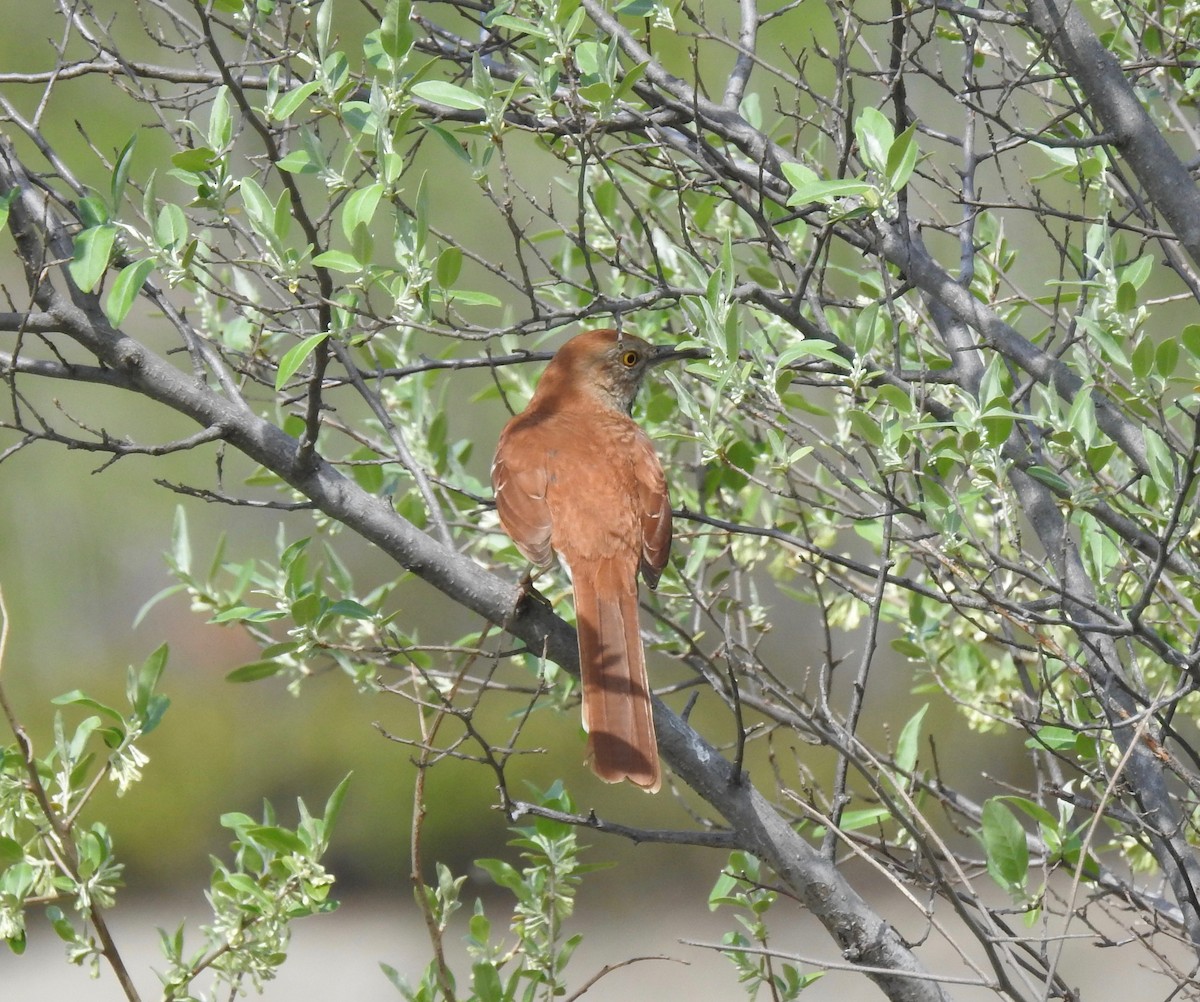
(526, 592)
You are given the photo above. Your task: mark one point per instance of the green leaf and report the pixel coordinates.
(502, 873)
(10, 852)
(196, 161)
(865, 817)
(810, 188)
(902, 158)
(815, 348)
(323, 20)
(485, 981)
(469, 297)
(1051, 479)
(247, 614)
(1081, 418)
(274, 837)
(295, 357)
(259, 209)
(77, 698)
(359, 208)
(722, 892)
(154, 599)
(362, 245)
(1162, 463)
(630, 80)
(997, 420)
(299, 162)
(866, 426)
(150, 673)
(763, 276)
(449, 265)
(448, 137)
(520, 25)
(93, 211)
(220, 125)
(1004, 843)
(125, 290)
(875, 136)
(1191, 339)
(120, 174)
(171, 227)
(288, 105)
(181, 544)
(1035, 811)
(395, 33)
(589, 58)
(93, 248)
(909, 741)
(333, 806)
(62, 925)
(305, 608)
(5, 204)
(1166, 357)
(1127, 299)
(336, 260)
(1137, 273)
(1054, 737)
(283, 215)
(1142, 360)
(450, 95)
(349, 609)
(254, 671)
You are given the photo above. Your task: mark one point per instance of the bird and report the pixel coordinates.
(575, 476)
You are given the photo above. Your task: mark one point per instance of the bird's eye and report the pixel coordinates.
(630, 358)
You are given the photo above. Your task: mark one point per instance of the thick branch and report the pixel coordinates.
(1161, 819)
(918, 267)
(1166, 179)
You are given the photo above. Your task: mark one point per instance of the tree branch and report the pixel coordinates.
(1168, 183)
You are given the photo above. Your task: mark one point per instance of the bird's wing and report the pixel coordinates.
(519, 478)
(655, 509)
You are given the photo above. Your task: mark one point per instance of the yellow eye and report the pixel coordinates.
(630, 358)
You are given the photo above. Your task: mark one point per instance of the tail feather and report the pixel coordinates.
(616, 694)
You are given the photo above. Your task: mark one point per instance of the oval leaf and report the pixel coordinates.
(448, 94)
(195, 161)
(907, 745)
(902, 158)
(875, 136)
(1005, 845)
(93, 248)
(395, 35)
(254, 671)
(287, 105)
(171, 229)
(336, 260)
(125, 290)
(359, 209)
(295, 357)
(449, 265)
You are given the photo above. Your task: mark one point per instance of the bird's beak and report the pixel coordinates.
(668, 353)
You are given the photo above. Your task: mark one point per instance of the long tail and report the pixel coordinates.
(616, 694)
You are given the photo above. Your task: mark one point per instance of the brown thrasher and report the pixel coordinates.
(574, 475)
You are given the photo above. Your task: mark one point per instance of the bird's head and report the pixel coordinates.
(605, 365)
